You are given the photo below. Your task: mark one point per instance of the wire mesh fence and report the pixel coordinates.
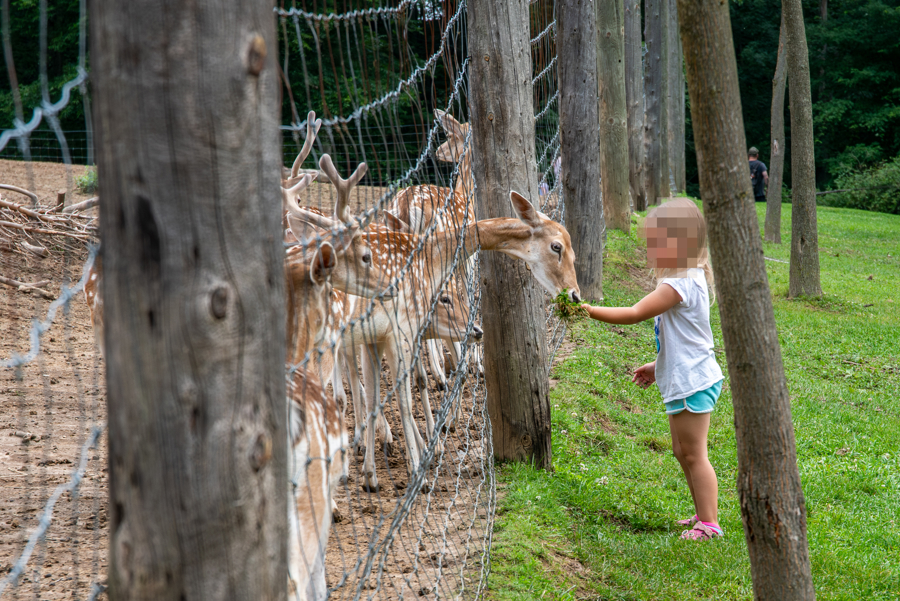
(408, 474)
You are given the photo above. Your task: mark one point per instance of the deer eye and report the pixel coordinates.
(367, 258)
(445, 300)
(556, 247)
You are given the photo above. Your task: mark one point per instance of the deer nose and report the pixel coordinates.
(576, 298)
(478, 332)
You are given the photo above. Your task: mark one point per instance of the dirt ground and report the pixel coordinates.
(409, 544)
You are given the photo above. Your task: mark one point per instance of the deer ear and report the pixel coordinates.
(395, 224)
(302, 230)
(524, 209)
(322, 264)
(451, 126)
(416, 219)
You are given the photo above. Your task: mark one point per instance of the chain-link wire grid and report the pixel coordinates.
(374, 75)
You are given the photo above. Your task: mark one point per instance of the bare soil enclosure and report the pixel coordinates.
(398, 542)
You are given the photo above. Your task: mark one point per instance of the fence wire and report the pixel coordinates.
(408, 383)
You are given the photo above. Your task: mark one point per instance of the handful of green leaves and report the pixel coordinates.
(567, 310)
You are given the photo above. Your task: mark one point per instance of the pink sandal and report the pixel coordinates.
(700, 531)
(688, 522)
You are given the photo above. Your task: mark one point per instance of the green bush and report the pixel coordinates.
(87, 183)
(873, 189)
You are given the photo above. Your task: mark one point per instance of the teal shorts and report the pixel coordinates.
(699, 402)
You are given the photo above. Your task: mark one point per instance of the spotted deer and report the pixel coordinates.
(317, 435)
(389, 328)
(94, 300)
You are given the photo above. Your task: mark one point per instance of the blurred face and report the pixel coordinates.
(671, 247)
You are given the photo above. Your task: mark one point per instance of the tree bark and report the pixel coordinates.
(580, 142)
(776, 163)
(634, 97)
(773, 509)
(675, 64)
(656, 155)
(502, 134)
(610, 23)
(188, 158)
(804, 269)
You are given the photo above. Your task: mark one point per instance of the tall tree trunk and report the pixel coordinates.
(675, 109)
(804, 269)
(580, 141)
(193, 285)
(776, 163)
(610, 20)
(773, 509)
(502, 120)
(634, 97)
(656, 155)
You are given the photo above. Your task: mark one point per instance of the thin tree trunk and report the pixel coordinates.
(656, 161)
(676, 101)
(804, 269)
(776, 164)
(634, 97)
(580, 141)
(502, 120)
(189, 164)
(610, 22)
(773, 509)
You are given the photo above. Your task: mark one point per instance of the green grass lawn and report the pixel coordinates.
(601, 525)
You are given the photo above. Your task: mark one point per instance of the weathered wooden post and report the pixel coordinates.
(634, 96)
(502, 121)
(773, 509)
(580, 141)
(656, 136)
(675, 88)
(610, 23)
(193, 284)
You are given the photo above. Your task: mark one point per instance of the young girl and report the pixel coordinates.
(685, 369)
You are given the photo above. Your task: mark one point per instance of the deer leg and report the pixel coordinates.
(370, 357)
(337, 380)
(436, 358)
(422, 380)
(399, 362)
(358, 393)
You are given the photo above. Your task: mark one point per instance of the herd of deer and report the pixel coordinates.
(332, 268)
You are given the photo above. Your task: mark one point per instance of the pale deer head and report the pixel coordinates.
(546, 248)
(308, 297)
(454, 148)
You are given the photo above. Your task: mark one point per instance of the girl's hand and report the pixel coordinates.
(587, 308)
(645, 375)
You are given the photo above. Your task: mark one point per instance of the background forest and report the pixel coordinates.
(854, 54)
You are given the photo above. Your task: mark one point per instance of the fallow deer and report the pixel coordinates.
(390, 328)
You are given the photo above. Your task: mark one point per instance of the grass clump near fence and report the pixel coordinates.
(602, 524)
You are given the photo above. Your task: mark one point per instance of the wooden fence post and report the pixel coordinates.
(634, 95)
(503, 143)
(656, 129)
(186, 119)
(580, 141)
(610, 24)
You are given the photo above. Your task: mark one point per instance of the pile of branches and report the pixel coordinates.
(35, 231)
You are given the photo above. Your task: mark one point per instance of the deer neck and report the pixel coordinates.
(465, 185)
(502, 234)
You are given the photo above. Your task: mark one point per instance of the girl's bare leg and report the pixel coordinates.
(691, 430)
(676, 450)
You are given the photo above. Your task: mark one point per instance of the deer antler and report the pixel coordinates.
(289, 195)
(312, 128)
(343, 186)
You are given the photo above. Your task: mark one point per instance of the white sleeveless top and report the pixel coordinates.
(685, 361)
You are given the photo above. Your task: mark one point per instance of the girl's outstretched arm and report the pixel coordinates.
(656, 303)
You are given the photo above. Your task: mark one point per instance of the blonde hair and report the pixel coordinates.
(681, 218)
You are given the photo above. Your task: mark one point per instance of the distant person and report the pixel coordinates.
(759, 177)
